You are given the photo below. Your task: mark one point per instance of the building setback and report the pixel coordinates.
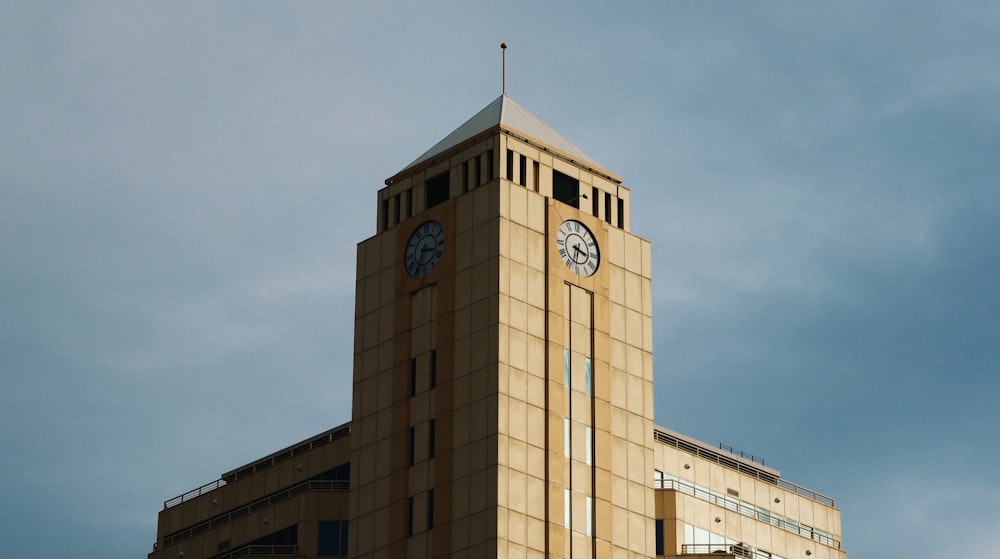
(503, 390)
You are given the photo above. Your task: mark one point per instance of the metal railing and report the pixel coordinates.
(730, 550)
(262, 464)
(741, 454)
(255, 506)
(260, 551)
(765, 475)
(748, 509)
(197, 492)
(807, 493)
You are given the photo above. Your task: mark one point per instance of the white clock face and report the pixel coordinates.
(424, 249)
(578, 248)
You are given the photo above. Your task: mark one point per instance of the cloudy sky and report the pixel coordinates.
(182, 187)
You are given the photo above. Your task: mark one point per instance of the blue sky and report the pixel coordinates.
(182, 187)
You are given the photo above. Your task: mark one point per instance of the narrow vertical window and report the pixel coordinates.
(413, 376)
(430, 509)
(534, 177)
(489, 165)
(621, 213)
(477, 172)
(434, 367)
(589, 379)
(567, 447)
(465, 176)
(510, 165)
(590, 516)
(590, 447)
(385, 214)
(567, 510)
(395, 211)
(409, 202)
(413, 446)
(523, 171)
(594, 199)
(659, 536)
(432, 439)
(437, 190)
(566, 367)
(607, 207)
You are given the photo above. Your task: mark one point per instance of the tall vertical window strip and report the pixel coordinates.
(413, 449)
(413, 376)
(590, 446)
(465, 176)
(567, 446)
(607, 207)
(332, 536)
(566, 379)
(589, 378)
(659, 536)
(621, 213)
(523, 171)
(434, 367)
(594, 201)
(409, 202)
(432, 438)
(477, 172)
(430, 509)
(489, 165)
(590, 516)
(510, 165)
(567, 510)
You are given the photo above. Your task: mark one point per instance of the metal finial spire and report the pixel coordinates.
(503, 47)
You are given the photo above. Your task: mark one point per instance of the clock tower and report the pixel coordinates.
(503, 355)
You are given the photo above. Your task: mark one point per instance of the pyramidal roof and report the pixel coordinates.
(504, 112)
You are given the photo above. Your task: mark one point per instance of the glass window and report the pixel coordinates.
(590, 516)
(434, 367)
(430, 509)
(590, 447)
(659, 536)
(566, 367)
(413, 440)
(438, 189)
(567, 512)
(432, 438)
(566, 189)
(332, 538)
(589, 377)
(566, 437)
(413, 376)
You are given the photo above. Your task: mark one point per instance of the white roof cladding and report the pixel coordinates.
(504, 112)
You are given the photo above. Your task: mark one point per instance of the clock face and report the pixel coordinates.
(424, 249)
(578, 248)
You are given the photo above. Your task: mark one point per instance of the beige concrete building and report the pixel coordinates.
(503, 390)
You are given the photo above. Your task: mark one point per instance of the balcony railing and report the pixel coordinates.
(748, 509)
(722, 550)
(262, 464)
(747, 467)
(258, 505)
(261, 551)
